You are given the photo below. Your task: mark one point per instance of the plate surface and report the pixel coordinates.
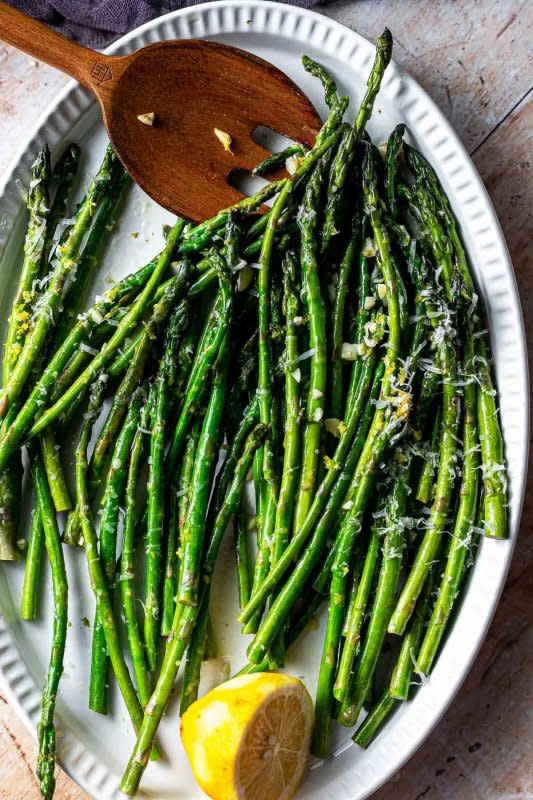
(94, 749)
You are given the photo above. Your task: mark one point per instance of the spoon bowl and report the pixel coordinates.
(162, 104)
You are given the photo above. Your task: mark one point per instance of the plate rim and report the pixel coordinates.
(72, 90)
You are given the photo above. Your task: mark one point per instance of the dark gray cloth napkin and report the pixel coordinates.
(96, 23)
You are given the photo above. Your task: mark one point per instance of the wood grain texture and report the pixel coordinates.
(475, 59)
(18, 752)
(177, 159)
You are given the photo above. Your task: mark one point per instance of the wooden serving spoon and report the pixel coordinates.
(190, 87)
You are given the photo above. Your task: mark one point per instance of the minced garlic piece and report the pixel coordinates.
(382, 147)
(332, 426)
(292, 164)
(349, 351)
(369, 249)
(147, 119)
(319, 413)
(245, 278)
(224, 139)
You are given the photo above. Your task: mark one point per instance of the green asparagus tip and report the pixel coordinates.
(384, 48)
(70, 156)
(42, 162)
(386, 41)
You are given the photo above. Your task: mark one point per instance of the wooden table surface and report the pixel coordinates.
(475, 58)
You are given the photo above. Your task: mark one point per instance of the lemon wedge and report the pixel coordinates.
(249, 738)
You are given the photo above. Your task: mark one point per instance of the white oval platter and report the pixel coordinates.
(94, 749)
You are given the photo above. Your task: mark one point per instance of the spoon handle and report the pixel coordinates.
(38, 40)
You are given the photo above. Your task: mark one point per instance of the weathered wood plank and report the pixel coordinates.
(26, 89)
(474, 58)
(17, 756)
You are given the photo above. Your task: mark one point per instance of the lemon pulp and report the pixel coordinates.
(249, 738)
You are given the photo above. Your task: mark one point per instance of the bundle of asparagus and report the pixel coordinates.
(347, 370)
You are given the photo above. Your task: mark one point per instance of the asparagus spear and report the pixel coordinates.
(292, 444)
(249, 419)
(427, 551)
(46, 733)
(427, 475)
(54, 471)
(400, 682)
(38, 204)
(343, 160)
(338, 318)
(394, 148)
(114, 491)
(208, 348)
(244, 567)
(179, 508)
(374, 720)
(330, 87)
(264, 394)
(193, 535)
(10, 498)
(386, 590)
(156, 482)
(386, 421)
(91, 252)
(127, 562)
(354, 621)
(63, 270)
(94, 564)
(464, 521)
(174, 288)
(127, 324)
(195, 656)
(277, 160)
(329, 496)
(492, 451)
(19, 325)
(316, 312)
(185, 618)
(32, 569)
(362, 316)
(63, 176)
